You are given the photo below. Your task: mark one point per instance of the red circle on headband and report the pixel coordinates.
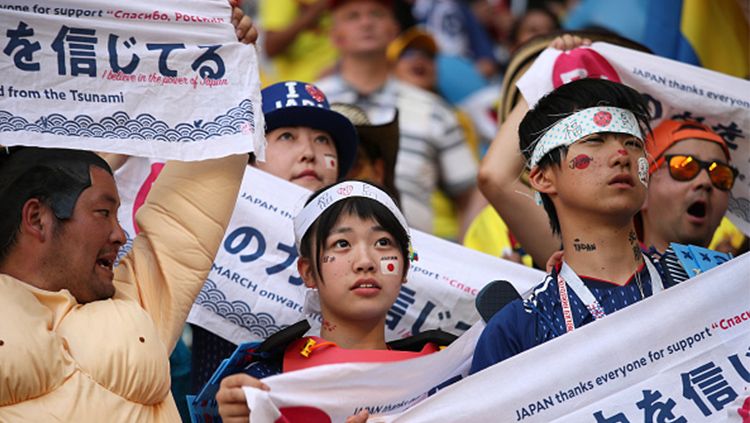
(602, 118)
(581, 63)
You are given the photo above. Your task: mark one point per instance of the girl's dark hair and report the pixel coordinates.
(362, 207)
(564, 101)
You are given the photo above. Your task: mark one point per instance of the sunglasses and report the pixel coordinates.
(685, 168)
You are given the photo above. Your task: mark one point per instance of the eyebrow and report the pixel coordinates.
(110, 199)
(345, 229)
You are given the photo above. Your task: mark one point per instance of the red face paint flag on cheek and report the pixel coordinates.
(622, 152)
(330, 161)
(581, 161)
(389, 265)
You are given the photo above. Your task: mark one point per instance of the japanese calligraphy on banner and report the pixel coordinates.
(656, 360)
(254, 289)
(673, 90)
(167, 79)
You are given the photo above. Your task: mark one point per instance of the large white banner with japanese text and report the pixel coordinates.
(166, 79)
(680, 356)
(254, 289)
(673, 90)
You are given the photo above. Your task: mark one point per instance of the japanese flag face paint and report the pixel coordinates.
(643, 171)
(389, 265)
(581, 161)
(330, 161)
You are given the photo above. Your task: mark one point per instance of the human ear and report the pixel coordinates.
(305, 269)
(378, 169)
(36, 219)
(543, 180)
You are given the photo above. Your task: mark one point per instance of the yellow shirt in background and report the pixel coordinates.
(309, 55)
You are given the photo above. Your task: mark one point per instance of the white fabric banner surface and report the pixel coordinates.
(673, 90)
(680, 356)
(167, 79)
(254, 288)
(341, 390)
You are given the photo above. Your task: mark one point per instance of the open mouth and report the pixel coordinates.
(365, 285)
(697, 209)
(105, 263)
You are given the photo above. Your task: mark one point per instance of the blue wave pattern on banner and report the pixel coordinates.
(262, 325)
(739, 206)
(143, 126)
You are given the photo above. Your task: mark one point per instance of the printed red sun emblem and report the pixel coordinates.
(315, 93)
(391, 267)
(602, 118)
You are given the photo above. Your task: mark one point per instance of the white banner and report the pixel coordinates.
(673, 90)
(681, 356)
(167, 79)
(341, 390)
(254, 288)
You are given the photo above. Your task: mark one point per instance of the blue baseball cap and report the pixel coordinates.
(295, 103)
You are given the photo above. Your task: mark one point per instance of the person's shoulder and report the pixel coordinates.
(543, 295)
(331, 84)
(416, 94)
(416, 343)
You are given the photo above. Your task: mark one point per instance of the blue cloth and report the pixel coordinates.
(208, 352)
(524, 324)
(663, 34)
(627, 19)
(457, 78)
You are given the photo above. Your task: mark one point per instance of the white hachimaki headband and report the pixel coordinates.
(341, 191)
(582, 123)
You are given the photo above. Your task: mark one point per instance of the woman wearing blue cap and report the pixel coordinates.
(308, 143)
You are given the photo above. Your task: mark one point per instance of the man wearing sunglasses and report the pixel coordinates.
(689, 187)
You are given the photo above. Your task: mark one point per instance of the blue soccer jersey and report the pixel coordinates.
(524, 324)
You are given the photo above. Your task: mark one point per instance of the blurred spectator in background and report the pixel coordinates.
(377, 150)
(432, 150)
(537, 21)
(296, 39)
(413, 59)
(457, 32)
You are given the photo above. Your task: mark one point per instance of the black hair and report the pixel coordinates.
(361, 207)
(54, 176)
(564, 101)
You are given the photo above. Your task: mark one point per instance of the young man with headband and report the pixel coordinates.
(585, 149)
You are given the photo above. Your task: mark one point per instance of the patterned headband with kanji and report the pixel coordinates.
(341, 191)
(582, 123)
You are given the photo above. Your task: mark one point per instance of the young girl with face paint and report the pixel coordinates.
(353, 245)
(309, 145)
(584, 144)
